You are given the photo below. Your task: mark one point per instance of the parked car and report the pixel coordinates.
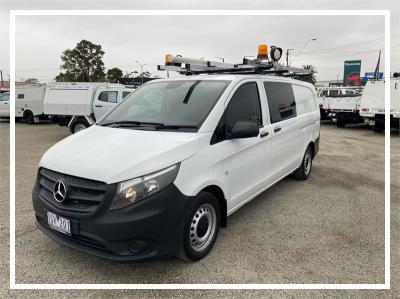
(373, 103)
(5, 105)
(79, 104)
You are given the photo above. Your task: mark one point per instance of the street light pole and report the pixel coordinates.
(288, 55)
(141, 68)
(305, 45)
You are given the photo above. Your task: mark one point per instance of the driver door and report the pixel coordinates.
(249, 158)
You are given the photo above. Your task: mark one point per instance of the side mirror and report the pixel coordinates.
(244, 129)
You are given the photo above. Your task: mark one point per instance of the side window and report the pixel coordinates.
(325, 92)
(108, 96)
(244, 105)
(5, 97)
(305, 102)
(334, 93)
(125, 93)
(20, 96)
(281, 101)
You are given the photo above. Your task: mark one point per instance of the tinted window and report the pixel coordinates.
(125, 93)
(325, 92)
(334, 93)
(244, 105)
(305, 102)
(108, 96)
(20, 96)
(281, 101)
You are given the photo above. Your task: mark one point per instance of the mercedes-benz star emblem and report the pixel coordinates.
(59, 191)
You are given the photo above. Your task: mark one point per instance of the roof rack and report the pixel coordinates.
(260, 65)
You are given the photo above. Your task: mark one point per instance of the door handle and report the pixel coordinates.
(264, 134)
(277, 129)
(98, 106)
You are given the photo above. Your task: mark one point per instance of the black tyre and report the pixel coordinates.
(304, 171)
(200, 227)
(340, 123)
(28, 117)
(79, 125)
(379, 127)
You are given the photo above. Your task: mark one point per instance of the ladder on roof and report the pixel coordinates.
(260, 65)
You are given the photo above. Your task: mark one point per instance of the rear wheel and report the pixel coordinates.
(379, 126)
(28, 117)
(201, 227)
(304, 171)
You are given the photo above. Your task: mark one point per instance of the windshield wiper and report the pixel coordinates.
(157, 126)
(130, 123)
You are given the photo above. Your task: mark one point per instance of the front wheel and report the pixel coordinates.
(28, 117)
(201, 227)
(304, 171)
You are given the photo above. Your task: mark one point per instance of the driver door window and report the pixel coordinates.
(108, 96)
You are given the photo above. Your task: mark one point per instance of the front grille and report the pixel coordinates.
(83, 195)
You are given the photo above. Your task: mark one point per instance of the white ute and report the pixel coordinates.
(5, 105)
(373, 103)
(160, 174)
(79, 105)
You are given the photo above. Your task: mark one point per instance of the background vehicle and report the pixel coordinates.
(5, 104)
(344, 104)
(373, 103)
(29, 102)
(79, 105)
(324, 103)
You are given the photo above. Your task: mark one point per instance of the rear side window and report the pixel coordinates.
(305, 102)
(108, 96)
(281, 101)
(244, 105)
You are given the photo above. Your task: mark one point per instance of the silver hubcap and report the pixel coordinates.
(79, 127)
(202, 227)
(307, 162)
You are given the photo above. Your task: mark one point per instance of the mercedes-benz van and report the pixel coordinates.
(161, 172)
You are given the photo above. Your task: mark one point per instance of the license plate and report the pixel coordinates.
(59, 223)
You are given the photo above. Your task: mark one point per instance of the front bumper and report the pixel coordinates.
(146, 230)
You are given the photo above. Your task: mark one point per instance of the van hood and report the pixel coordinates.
(113, 155)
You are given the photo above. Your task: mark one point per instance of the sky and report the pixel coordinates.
(40, 40)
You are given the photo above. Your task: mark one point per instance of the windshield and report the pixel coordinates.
(168, 105)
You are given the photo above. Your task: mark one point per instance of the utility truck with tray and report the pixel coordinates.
(29, 102)
(343, 104)
(373, 103)
(79, 104)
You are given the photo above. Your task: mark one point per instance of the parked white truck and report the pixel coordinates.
(344, 105)
(78, 105)
(29, 102)
(373, 103)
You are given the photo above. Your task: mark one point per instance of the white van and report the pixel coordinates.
(373, 103)
(29, 102)
(5, 105)
(161, 172)
(79, 104)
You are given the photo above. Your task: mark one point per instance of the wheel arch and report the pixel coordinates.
(219, 194)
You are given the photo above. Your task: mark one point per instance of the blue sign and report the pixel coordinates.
(369, 75)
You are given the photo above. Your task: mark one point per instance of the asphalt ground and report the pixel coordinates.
(328, 229)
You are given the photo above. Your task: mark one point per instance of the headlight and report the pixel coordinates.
(138, 189)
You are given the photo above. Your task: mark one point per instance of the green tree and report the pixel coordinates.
(312, 71)
(114, 74)
(84, 63)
